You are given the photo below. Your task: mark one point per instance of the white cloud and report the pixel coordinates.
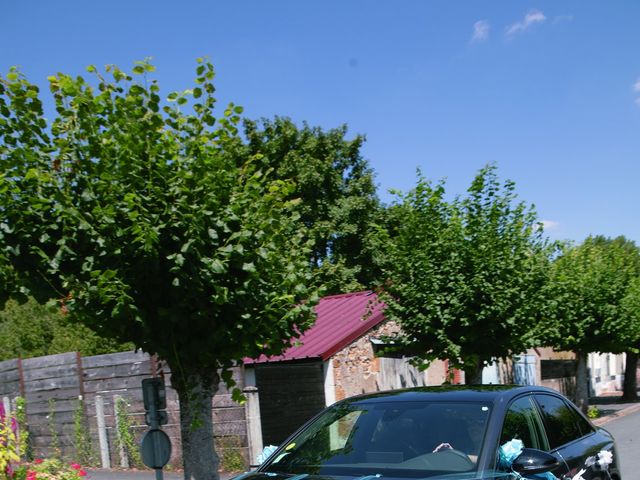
(636, 89)
(480, 31)
(549, 224)
(531, 18)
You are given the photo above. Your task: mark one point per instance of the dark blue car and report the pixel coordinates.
(449, 432)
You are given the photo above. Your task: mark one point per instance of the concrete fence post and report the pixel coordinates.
(124, 458)
(6, 403)
(254, 428)
(102, 433)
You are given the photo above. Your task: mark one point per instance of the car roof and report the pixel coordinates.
(451, 393)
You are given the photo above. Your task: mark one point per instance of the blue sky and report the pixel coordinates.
(548, 90)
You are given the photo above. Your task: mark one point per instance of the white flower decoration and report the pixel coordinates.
(578, 476)
(605, 457)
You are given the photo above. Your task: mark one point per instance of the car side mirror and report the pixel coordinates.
(532, 461)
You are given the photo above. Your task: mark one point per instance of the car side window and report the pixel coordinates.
(522, 422)
(561, 423)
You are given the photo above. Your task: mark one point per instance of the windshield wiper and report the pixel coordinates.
(369, 477)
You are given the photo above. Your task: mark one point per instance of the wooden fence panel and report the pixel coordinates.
(52, 389)
(9, 378)
(54, 385)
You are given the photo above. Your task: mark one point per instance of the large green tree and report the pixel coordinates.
(464, 275)
(587, 285)
(32, 330)
(336, 187)
(153, 226)
(631, 309)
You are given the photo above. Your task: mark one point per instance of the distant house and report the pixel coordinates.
(557, 369)
(334, 359)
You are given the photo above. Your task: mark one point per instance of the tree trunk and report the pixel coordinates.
(473, 374)
(195, 391)
(630, 389)
(582, 382)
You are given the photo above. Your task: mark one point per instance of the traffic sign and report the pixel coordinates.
(154, 394)
(155, 449)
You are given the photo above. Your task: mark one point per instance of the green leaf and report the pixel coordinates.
(249, 267)
(217, 266)
(138, 69)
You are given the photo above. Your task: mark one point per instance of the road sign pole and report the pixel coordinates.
(155, 446)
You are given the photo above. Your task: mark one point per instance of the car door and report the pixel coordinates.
(571, 435)
(522, 422)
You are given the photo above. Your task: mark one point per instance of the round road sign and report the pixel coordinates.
(155, 448)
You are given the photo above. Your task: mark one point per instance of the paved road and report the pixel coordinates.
(142, 475)
(626, 431)
(117, 475)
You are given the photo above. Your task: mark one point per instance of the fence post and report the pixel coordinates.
(254, 428)
(6, 403)
(102, 433)
(21, 378)
(124, 458)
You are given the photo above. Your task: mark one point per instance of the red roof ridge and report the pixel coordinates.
(350, 294)
(341, 319)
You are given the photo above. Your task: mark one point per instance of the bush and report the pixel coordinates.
(125, 437)
(231, 459)
(8, 443)
(51, 469)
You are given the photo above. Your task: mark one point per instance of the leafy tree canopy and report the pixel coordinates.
(631, 302)
(148, 218)
(337, 192)
(585, 296)
(587, 286)
(33, 330)
(464, 276)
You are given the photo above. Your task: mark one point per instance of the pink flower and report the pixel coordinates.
(31, 475)
(82, 473)
(38, 461)
(76, 466)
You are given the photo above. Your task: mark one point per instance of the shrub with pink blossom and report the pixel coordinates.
(50, 469)
(8, 444)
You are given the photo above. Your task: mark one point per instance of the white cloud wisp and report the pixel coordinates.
(480, 31)
(531, 18)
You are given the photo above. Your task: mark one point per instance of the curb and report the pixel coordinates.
(620, 413)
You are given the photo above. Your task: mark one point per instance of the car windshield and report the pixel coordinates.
(393, 439)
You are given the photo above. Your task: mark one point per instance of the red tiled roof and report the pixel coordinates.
(341, 320)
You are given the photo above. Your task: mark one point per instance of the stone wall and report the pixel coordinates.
(357, 370)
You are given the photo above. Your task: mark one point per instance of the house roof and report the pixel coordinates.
(341, 319)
